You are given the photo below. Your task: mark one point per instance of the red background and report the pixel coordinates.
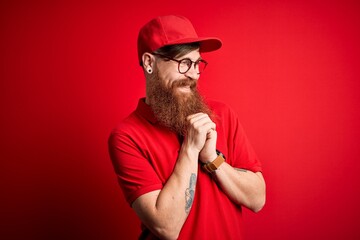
(69, 73)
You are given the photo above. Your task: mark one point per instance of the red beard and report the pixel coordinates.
(171, 107)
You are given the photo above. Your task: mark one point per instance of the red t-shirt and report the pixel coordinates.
(144, 154)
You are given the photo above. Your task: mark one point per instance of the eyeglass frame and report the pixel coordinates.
(179, 62)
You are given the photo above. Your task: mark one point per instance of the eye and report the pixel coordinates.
(186, 62)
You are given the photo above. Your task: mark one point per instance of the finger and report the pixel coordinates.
(194, 115)
(202, 122)
(211, 133)
(203, 126)
(198, 118)
(210, 126)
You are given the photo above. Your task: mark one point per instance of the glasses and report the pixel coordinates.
(185, 64)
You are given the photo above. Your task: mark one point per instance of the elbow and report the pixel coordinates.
(259, 205)
(254, 204)
(260, 199)
(167, 233)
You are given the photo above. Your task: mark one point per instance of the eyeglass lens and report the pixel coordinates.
(185, 65)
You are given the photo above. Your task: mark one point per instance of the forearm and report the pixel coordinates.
(178, 193)
(241, 186)
(167, 212)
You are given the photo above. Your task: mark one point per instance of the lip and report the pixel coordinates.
(185, 89)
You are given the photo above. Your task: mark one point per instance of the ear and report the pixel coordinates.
(148, 60)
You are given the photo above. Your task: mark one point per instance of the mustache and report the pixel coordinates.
(184, 82)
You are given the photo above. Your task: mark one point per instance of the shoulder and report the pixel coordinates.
(221, 109)
(125, 124)
(128, 128)
(216, 104)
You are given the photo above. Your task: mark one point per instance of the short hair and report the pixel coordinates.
(178, 50)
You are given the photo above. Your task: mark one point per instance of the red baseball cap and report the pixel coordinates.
(170, 30)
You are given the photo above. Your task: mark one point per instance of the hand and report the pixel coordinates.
(208, 153)
(200, 130)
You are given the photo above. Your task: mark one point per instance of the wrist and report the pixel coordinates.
(212, 166)
(190, 153)
(209, 159)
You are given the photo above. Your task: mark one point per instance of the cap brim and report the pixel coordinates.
(206, 44)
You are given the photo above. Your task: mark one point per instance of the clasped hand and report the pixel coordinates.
(202, 136)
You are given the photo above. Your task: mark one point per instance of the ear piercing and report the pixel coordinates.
(149, 70)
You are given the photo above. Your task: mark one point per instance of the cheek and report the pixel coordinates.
(168, 78)
(168, 75)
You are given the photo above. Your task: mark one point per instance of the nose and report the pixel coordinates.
(193, 72)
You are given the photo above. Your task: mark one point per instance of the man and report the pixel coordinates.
(184, 164)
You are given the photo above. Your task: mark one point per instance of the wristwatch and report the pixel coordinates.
(212, 166)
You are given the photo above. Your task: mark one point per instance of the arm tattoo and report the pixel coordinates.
(189, 193)
(240, 169)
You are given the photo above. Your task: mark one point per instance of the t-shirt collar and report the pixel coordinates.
(145, 111)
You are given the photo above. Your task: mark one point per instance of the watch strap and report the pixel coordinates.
(214, 165)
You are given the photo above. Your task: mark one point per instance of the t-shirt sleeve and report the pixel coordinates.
(135, 174)
(241, 153)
